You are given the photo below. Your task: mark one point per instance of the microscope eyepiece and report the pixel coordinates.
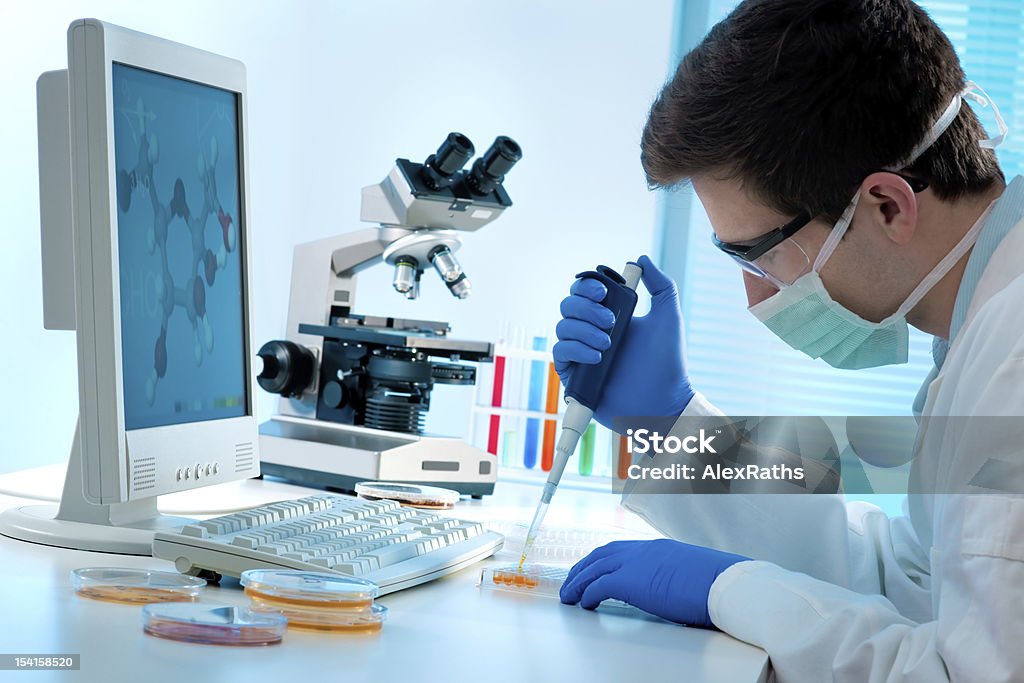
(452, 155)
(490, 169)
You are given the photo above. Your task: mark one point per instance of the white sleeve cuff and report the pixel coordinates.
(730, 576)
(700, 407)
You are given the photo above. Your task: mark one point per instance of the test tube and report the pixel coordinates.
(508, 445)
(587, 451)
(496, 391)
(624, 459)
(605, 447)
(512, 397)
(547, 456)
(535, 401)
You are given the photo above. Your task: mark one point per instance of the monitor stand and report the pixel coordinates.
(121, 528)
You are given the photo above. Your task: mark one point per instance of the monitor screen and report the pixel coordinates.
(179, 224)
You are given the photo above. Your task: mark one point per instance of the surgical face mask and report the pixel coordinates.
(806, 317)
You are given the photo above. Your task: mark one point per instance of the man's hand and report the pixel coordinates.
(649, 377)
(666, 578)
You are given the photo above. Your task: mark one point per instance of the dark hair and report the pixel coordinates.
(802, 99)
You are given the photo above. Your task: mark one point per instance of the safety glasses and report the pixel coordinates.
(776, 257)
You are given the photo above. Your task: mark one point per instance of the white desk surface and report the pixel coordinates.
(444, 630)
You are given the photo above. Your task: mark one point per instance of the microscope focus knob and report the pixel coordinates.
(287, 368)
(334, 395)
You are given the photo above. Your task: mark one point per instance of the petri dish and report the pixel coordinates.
(210, 624)
(534, 578)
(410, 495)
(537, 579)
(367, 620)
(135, 586)
(297, 588)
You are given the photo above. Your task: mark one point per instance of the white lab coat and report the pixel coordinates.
(840, 591)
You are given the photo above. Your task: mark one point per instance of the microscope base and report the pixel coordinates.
(312, 452)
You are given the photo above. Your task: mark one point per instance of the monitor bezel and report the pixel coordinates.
(112, 456)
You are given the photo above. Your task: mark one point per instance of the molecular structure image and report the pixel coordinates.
(190, 296)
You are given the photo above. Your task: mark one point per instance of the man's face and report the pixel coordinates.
(865, 273)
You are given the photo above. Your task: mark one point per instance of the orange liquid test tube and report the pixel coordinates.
(624, 459)
(547, 457)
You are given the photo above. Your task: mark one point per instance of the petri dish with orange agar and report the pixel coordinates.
(309, 589)
(135, 586)
(535, 578)
(316, 601)
(367, 620)
(538, 579)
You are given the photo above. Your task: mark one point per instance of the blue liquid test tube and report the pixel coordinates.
(538, 375)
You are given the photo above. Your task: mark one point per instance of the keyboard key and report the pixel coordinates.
(317, 503)
(405, 513)
(354, 567)
(431, 542)
(290, 544)
(369, 563)
(331, 548)
(380, 505)
(471, 529)
(392, 554)
(218, 526)
(334, 558)
(453, 536)
(442, 538)
(273, 549)
(322, 536)
(424, 518)
(318, 550)
(249, 542)
(194, 530)
(445, 524)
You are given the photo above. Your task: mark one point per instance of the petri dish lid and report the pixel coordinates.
(367, 620)
(211, 624)
(415, 495)
(135, 586)
(309, 588)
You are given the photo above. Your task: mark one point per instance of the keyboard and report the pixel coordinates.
(395, 547)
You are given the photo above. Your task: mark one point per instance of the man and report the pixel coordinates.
(833, 148)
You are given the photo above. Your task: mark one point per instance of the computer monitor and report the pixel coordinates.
(151, 136)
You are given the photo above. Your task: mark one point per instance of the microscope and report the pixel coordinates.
(355, 389)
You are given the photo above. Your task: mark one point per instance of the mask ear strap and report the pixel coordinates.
(946, 264)
(832, 241)
(974, 93)
(945, 119)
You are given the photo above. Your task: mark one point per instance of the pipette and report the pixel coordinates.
(586, 383)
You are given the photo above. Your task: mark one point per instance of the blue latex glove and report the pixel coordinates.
(666, 578)
(649, 377)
